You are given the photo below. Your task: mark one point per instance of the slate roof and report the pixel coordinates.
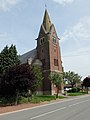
(46, 22)
(28, 56)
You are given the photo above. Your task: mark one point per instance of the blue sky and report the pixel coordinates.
(20, 22)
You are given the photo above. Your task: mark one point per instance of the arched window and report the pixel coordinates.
(42, 40)
(54, 40)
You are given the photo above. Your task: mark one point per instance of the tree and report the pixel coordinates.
(56, 79)
(86, 82)
(8, 57)
(18, 79)
(4, 59)
(13, 55)
(72, 78)
(38, 75)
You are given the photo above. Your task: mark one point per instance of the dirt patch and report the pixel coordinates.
(19, 107)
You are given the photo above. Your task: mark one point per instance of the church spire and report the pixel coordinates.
(46, 21)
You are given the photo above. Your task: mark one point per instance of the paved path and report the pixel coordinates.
(70, 109)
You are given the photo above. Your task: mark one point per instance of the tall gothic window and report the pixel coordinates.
(54, 40)
(42, 40)
(56, 62)
(43, 62)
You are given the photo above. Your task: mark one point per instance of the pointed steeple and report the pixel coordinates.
(46, 21)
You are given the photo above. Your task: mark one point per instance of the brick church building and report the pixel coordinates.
(46, 54)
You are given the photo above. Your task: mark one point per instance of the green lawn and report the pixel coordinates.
(42, 98)
(76, 93)
(36, 98)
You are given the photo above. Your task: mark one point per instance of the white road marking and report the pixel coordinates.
(44, 105)
(47, 113)
(38, 116)
(78, 103)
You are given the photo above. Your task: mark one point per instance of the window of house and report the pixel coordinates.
(42, 50)
(54, 50)
(43, 62)
(56, 62)
(54, 40)
(42, 40)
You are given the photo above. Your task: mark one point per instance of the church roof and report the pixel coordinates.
(46, 25)
(28, 56)
(46, 21)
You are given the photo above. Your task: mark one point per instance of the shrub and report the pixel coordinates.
(74, 89)
(22, 100)
(5, 101)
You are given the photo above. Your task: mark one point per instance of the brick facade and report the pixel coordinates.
(48, 52)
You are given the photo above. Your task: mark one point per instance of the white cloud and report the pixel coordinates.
(78, 64)
(80, 31)
(77, 38)
(64, 2)
(6, 4)
(76, 47)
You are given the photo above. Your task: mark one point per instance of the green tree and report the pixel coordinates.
(13, 55)
(38, 75)
(8, 57)
(4, 56)
(18, 79)
(56, 79)
(72, 78)
(86, 83)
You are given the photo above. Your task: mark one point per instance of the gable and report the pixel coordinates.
(42, 32)
(53, 31)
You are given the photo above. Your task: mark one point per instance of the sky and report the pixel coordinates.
(20, 22)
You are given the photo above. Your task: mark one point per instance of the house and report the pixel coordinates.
(46, 54)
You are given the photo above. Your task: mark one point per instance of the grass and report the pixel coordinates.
(37, 98)
(42, 98)
(23, 100)
(76, 93)
(61, 97)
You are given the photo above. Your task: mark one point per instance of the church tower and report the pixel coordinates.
(48, 52)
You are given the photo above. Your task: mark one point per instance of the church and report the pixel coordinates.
(46, 54)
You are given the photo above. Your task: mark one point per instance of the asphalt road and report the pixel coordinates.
(71, 109)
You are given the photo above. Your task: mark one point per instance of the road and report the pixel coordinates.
(71, 109)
